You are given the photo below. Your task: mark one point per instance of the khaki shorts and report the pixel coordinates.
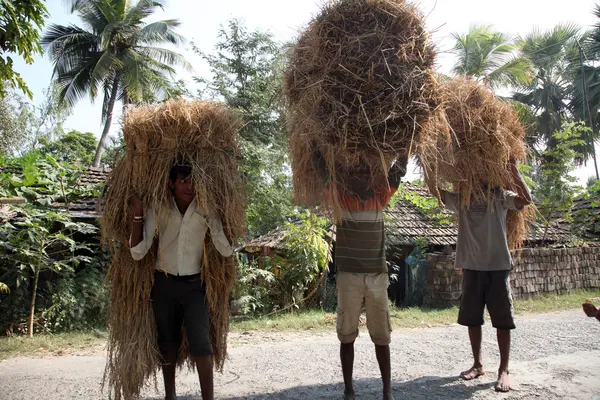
(352, 290)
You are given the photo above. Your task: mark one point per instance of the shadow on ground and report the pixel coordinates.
(425, 388)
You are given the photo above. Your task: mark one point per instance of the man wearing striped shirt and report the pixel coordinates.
(362, 275)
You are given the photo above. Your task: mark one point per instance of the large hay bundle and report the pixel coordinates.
(204, 134)
(359, 85)
(485, 134)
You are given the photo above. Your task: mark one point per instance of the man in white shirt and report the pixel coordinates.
(483, 254)
(179, 295)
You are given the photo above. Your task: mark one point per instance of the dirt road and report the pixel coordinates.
(555, 356)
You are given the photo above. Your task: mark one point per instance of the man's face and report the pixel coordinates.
(183, 188)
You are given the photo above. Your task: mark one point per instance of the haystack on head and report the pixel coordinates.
(359, 86)
(199, 139)
(485, 133)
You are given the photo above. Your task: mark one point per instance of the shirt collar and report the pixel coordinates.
(191, 207)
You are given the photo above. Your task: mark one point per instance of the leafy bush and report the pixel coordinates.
(39, 241)
(252, 287)
(52, 269)
(281, 281)
(79, 298)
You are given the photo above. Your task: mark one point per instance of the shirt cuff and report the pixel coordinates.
(137, 252)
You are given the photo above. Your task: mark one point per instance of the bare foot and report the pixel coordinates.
(349, 395)
(503, 384)
(472, 373)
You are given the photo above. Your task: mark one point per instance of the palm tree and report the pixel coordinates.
(490, 57)
(551, 54)
(115, 52)
(585, 103)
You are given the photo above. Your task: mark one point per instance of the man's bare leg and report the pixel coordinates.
(383, 359)
(347, 360)
(503, 384)
(477, 369)
(204, 365)
(168, 370)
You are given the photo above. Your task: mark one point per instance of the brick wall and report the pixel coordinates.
(536, 271)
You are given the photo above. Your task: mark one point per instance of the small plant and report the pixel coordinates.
(252, 286)
(307, 254)
(40, 240)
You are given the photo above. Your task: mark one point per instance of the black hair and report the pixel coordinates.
(176, 171)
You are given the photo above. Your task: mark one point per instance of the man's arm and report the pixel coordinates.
(143, 230)
(320, 166)
(137, 231)
(397, 172)
(218, 235)
(523, 195)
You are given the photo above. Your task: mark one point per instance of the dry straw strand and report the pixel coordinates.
(360, 86)
(485, 134)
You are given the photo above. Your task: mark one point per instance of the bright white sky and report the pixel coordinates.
(200, 21)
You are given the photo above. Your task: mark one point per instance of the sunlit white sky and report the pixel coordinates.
(200, 21)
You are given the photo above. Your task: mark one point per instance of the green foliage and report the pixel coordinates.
(281, 280)
(43, 245)
(269, 188)
(74, 148)
(38, 241)
(20, 24)
(421, 246)
(307, 250)
(429, 206)
(12, 124)
(252, 286)
(550, 53)
(246, 73)
(79, 296)
(489, 56)
(307, 255)
(114, 151)
(42, 180)
(556, 188)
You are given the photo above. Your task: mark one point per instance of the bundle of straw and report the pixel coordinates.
(485, 135)
(204, 135)
(359, 86)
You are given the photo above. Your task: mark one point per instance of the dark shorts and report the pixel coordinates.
(180, 301)
(489, 289)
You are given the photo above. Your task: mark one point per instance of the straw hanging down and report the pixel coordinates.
(485, 134)
(204, 134)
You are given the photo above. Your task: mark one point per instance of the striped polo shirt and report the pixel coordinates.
(360, 236)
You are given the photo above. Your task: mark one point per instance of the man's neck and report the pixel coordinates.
(182, 206)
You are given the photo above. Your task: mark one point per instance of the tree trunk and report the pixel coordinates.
(111, 106)
(33, 296)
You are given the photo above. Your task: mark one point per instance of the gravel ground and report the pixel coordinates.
(555, 356)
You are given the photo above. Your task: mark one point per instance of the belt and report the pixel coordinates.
(181, 278)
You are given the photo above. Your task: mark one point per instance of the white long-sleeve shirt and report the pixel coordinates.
(181, 238)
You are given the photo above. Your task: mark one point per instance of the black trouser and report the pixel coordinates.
(489, 289)
(180, 301)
